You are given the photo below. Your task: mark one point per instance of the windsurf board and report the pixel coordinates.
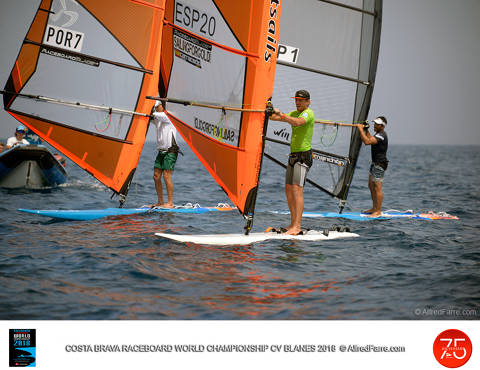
(387, 215)
(242, 239)
(93, 214)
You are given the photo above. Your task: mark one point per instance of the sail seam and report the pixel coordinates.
(148, 4)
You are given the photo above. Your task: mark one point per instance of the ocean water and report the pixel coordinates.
(115, 268)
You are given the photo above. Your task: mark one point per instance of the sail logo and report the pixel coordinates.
(191, 50)
(63, 38)
(330, 160)
(282, 133)
(220, 133)
(65, 13)
(271, 44)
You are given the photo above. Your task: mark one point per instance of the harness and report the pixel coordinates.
(175, 149)
(302, 157)
(383, 164)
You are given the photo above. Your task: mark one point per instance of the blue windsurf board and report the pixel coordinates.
(387, 215)
(93, 214)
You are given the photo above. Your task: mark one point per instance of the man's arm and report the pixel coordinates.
(365, 135)
(293, 121)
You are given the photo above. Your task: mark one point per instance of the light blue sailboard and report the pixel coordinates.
(93, 214)
(387, 215)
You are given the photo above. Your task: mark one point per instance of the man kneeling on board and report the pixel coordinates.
(379, 143)
(302, 121)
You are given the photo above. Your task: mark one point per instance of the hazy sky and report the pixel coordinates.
(428, 78)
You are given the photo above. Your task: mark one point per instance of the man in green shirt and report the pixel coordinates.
(300, 160)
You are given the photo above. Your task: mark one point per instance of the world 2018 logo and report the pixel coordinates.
(452, 348)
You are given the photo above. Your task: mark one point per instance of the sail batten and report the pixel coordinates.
(315, 151)
(206, 105)
(45, 10)
(18, 116)
(74, 104)
(361, 10)
(317, 71)
(91, 57)
(273, 159)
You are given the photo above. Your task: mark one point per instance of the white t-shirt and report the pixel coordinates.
(165, 130)
(12, 141)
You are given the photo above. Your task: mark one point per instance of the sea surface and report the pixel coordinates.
(116, 269)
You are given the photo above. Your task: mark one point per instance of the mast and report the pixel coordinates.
(364, 106)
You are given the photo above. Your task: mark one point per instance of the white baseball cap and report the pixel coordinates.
(380, 121)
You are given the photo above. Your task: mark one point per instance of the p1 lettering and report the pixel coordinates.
(288, 53)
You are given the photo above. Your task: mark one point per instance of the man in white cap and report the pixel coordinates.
(18, 138)
(379, 143)
(167, 154)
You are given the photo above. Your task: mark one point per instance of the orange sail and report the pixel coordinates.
(222, 52)
(81, 78)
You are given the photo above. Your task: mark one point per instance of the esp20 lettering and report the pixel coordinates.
(194, 19)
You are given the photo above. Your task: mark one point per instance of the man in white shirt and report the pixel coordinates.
(167, 154)
(18, 138)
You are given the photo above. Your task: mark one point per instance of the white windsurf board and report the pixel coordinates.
(242, 239)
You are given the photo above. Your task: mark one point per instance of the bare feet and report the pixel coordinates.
(375, 214)
(292, 231)
(371, 210)
(162, 205)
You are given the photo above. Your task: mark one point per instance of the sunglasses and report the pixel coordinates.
(20, 131)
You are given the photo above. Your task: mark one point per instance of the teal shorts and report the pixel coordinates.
(377, 173)
(165, 161)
